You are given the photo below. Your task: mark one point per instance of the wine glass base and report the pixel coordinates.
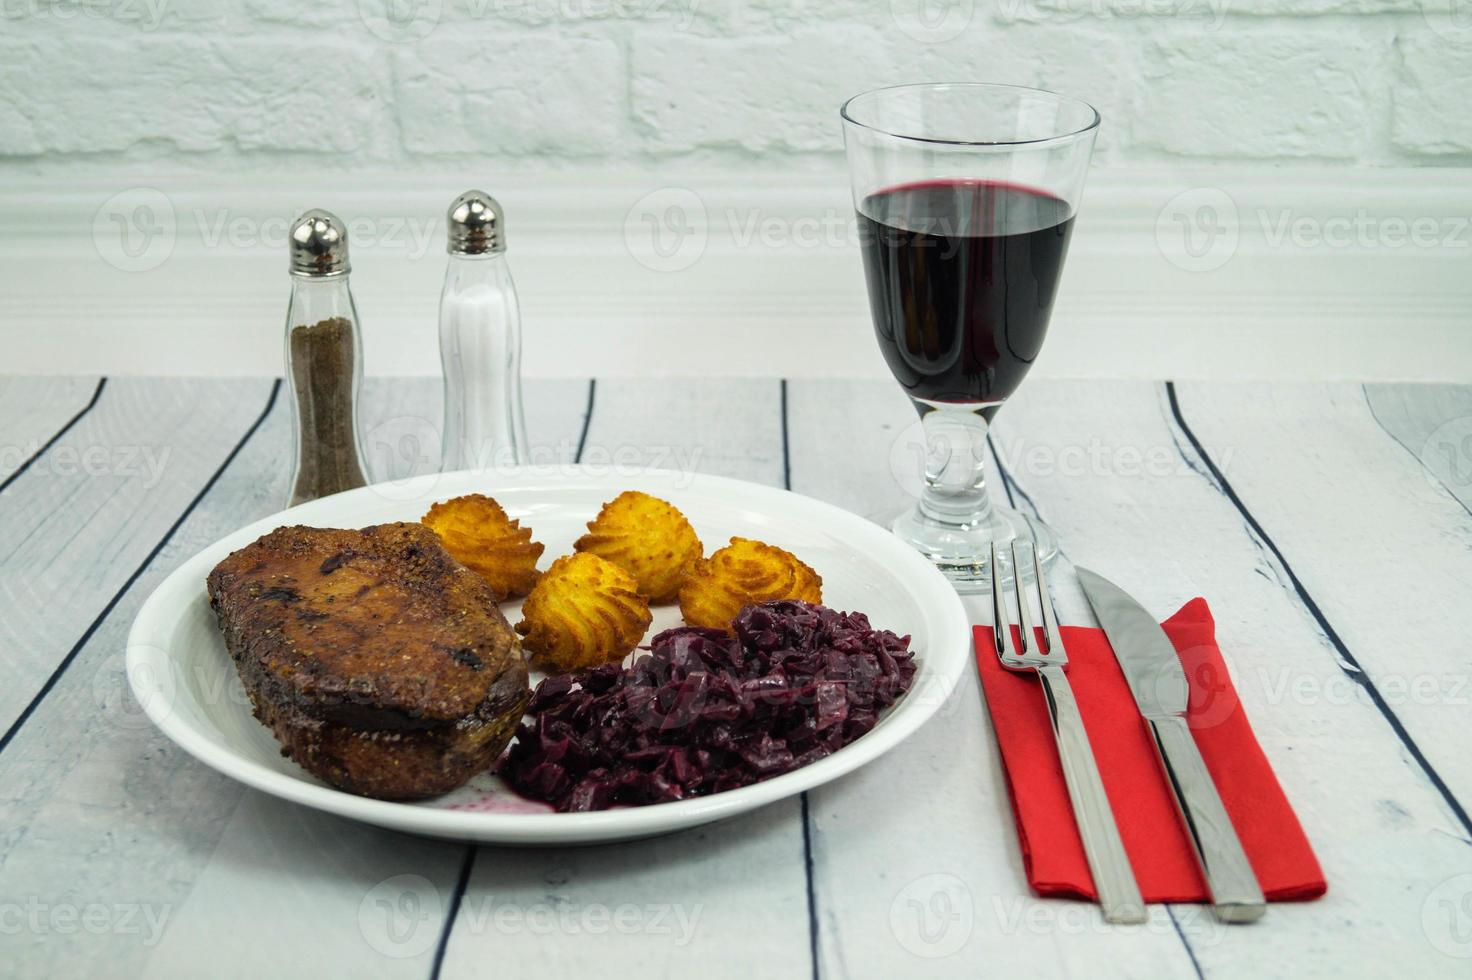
(962, 552)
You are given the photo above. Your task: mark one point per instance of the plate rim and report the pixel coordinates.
(148, 662)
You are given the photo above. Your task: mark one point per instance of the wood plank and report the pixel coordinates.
(34, 411)
(725, 900)
(82, 519)
(1131, 498)
(915, 861)
(381, 909)
(1432, 423)
(1376, 539)
(99, 808)
(96, 808)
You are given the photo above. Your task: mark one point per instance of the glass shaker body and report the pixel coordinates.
(324, 375)
(480, 352)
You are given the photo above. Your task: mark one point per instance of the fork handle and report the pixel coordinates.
(1114, 879)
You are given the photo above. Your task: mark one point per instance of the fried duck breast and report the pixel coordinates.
(381, 664)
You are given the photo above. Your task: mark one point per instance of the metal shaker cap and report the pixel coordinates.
(319, 245)
(476, 225)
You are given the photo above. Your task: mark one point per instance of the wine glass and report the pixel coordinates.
(966, 195)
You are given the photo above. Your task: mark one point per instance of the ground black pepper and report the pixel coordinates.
(323, 370)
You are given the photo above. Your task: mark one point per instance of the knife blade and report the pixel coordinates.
(1158, 682)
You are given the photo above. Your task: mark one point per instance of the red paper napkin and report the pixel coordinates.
(1143, 806)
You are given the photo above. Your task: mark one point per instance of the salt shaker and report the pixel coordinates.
(480, 341)
(324, 361)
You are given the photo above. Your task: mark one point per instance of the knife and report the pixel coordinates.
(1158, 682)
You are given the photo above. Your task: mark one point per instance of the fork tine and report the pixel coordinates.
(1024, 604)
(1001, 622)
(1050, 614)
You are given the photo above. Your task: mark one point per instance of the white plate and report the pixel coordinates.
(183, 677)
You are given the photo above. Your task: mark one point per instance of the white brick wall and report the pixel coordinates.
(94, 86)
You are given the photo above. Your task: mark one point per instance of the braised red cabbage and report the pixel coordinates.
(704, 711)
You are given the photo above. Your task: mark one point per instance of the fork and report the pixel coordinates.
(1119, 896)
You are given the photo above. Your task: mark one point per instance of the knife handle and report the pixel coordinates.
(1114, 879)
(1235, 894)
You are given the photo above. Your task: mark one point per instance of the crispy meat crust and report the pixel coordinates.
(381, 664)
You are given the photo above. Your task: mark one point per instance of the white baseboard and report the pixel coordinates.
(1330, 274)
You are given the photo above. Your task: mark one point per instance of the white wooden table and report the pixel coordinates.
(1328, 525)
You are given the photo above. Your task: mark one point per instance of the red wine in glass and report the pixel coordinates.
(962, 275)
(965, 193)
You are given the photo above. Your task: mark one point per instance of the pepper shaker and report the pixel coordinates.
(324, 361)
(480, 341)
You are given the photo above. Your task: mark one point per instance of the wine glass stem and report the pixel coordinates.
(955, 466)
